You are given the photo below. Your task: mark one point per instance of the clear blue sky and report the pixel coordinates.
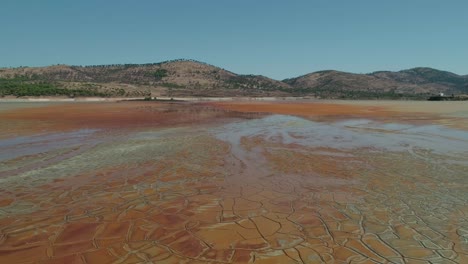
(278, 39)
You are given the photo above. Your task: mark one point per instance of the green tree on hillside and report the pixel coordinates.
(159, 74)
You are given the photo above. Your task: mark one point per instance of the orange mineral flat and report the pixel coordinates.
(234, 182)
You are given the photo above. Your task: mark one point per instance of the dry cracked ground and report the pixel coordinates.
(234, 182)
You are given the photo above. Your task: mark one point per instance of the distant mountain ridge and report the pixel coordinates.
(416, 82)
(194, 78)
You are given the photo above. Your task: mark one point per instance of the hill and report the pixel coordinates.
(413, 83)
(170, 78)
(194, 78)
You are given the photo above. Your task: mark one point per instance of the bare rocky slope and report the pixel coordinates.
(193, 78)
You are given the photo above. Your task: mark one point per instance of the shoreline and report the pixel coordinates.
(196, 99)
(155, 99)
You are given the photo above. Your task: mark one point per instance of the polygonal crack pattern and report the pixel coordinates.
(191, 197)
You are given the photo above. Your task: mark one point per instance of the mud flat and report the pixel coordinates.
(234, 182)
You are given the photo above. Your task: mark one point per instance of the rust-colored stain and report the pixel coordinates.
(72, 116)
(146, 182)
(320, 111)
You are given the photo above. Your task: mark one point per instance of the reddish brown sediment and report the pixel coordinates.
(106, 115)
(317, 110)
(410, 112)
(218, 191)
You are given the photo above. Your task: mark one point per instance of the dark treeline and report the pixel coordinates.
(19, 87)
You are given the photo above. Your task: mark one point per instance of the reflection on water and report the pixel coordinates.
(22, 146)
(274, 189)
(360, 133)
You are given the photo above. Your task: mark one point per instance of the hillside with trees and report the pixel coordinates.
(194, 78)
